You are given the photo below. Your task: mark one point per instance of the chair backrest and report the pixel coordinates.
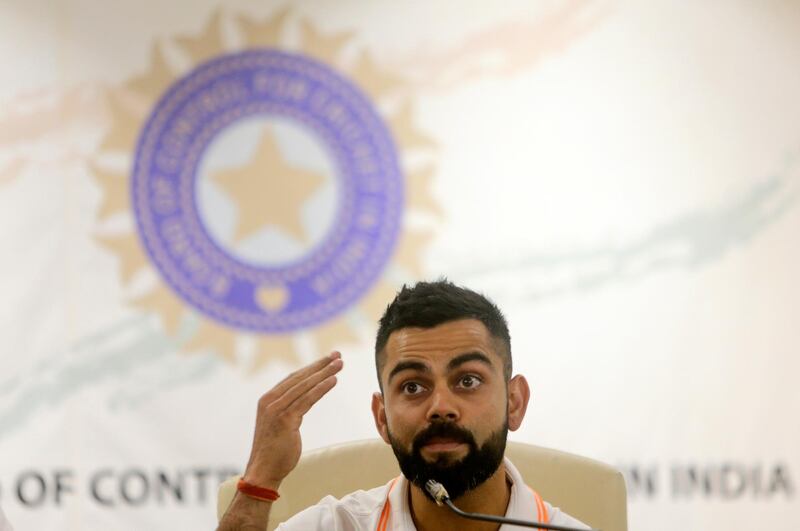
(586, 489)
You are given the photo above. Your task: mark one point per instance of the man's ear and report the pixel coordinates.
(379, 414)
(518, 395)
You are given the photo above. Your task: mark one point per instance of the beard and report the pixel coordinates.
(457, 475)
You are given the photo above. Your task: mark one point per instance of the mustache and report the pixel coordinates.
(447, 430)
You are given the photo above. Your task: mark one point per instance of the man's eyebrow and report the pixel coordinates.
(461, 359)
(408, 366)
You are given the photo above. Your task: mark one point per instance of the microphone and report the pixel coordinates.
(440, 496)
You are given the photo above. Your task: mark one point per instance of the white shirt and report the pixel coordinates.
(4, 525)
(386, 509)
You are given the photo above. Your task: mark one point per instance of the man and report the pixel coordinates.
(447, 400)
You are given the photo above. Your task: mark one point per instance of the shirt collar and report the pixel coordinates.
(521, 502)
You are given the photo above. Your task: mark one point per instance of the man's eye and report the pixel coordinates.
(412, 388)
(470, 381)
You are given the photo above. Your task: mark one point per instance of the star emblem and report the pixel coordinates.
(269, 191)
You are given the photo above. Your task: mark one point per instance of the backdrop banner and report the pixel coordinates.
(198, 197)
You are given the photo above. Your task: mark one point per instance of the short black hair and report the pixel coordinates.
(428, 304)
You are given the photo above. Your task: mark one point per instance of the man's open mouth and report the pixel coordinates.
(442, 444)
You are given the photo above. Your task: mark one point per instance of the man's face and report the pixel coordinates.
(446, 407)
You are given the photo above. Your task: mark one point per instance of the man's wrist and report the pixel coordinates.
(261, 480)
(257, 492)
(245, 514)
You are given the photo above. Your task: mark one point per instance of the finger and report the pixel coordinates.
(300, 374)
(301, 406)
(303, 386)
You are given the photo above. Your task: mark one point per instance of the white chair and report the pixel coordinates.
(586, 489)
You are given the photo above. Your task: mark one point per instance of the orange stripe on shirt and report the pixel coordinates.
(541, 508)
(387, 508)
(546, 519)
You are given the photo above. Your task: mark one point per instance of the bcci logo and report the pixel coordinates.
(267, 191)
(263, 193)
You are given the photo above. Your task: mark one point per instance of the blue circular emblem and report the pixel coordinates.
(260, 285)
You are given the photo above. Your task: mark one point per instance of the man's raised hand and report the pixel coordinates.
(276, 442)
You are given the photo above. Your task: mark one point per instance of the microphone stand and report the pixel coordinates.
(440, 496)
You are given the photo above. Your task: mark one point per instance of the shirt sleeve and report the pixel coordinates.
(559, 517)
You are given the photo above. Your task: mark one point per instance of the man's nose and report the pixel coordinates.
(443, 406)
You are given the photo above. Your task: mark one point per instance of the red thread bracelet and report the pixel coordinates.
(258, 493)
